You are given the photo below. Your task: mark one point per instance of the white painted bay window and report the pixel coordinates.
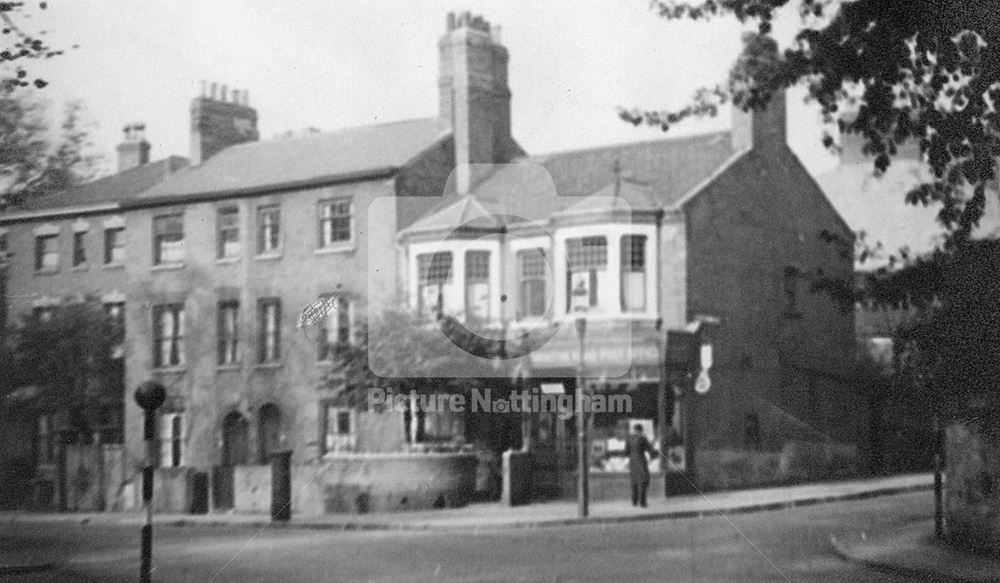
(434, 276)
(477, 285)
(585, 258)
(633, 273)
(532, 301)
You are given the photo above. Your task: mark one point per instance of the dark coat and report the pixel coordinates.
(636, 448)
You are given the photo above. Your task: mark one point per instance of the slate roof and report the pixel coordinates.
(670, 168)
(110, 189)
(272, 164)
(655, 174)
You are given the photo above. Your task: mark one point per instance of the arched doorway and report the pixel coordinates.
(235, 449)
(268, 431)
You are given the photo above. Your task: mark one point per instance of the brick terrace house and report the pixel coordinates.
(224, 254)
(60, 248)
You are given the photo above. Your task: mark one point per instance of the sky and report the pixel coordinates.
(336, 64)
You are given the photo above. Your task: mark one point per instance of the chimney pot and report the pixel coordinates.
(213, 90)
(224, 96)
(450, 22)
(204, 88)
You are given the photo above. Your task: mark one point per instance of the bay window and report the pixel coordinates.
(434, 274)
(633, 273)
(477, 285)
(531, 268)
(585, 257)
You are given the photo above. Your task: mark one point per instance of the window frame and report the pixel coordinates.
(327, 217)
(222, 213)
(263, 357)
(41, 253)
(343, 314)
(523, 255)
(166, 236)
(627, 264)
(171, 438)
(176, 340)
(337, 441)
(471, 256)
(114, 235)
(586, 261)
(443, 272)
(264, 247)
(79, 258)
(228, 344)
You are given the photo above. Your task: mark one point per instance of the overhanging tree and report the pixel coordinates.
(922, 70)
(72, 355)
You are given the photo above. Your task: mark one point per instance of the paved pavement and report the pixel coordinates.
(483, 517)
(911, 550)
(490, 516)
(754, 547)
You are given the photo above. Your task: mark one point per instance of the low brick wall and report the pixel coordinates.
(252, 488)
(972, 486)
(171, 490)
(798, 461)
(385, 482)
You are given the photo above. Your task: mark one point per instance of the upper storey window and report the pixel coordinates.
(228, 220)
(585, 257)
(334, 222)
(114, 245)
(434, 274)
(47, 253)
(268, 229)
(168, 239)
(531, 267)
(633, 276)
(477, 285)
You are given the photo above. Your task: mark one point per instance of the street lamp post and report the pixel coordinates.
(582, 490)
(149, 395)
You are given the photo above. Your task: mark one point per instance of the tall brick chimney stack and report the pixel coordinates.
(760, 129)
(474, 96)
(219, 119)
(134, 149)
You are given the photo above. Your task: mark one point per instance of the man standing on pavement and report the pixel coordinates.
(638, 467)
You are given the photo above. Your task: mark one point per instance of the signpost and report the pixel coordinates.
(149, 395)
(582, 494)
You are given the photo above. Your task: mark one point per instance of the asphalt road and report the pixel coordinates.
(781, 545)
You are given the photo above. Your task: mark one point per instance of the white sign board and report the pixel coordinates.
(553, 389)
(703, 384)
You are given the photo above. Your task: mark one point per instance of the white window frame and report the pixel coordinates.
(326, 219)
(337, 441)
(171, 442)
(175, 342)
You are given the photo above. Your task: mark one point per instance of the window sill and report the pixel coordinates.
(175, 369)
(267, 257)
(113, 266)
(46, 271)
(167, 267)
(348, 247)
(227, 260)
(78, 268)
(268, 365)
(228, 367)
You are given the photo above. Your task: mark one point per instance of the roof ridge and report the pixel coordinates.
(657, 141)
(329, 133)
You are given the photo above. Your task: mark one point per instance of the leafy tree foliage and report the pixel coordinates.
(35, 161)
(22, 44)
(73, 356)
(923, 70)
